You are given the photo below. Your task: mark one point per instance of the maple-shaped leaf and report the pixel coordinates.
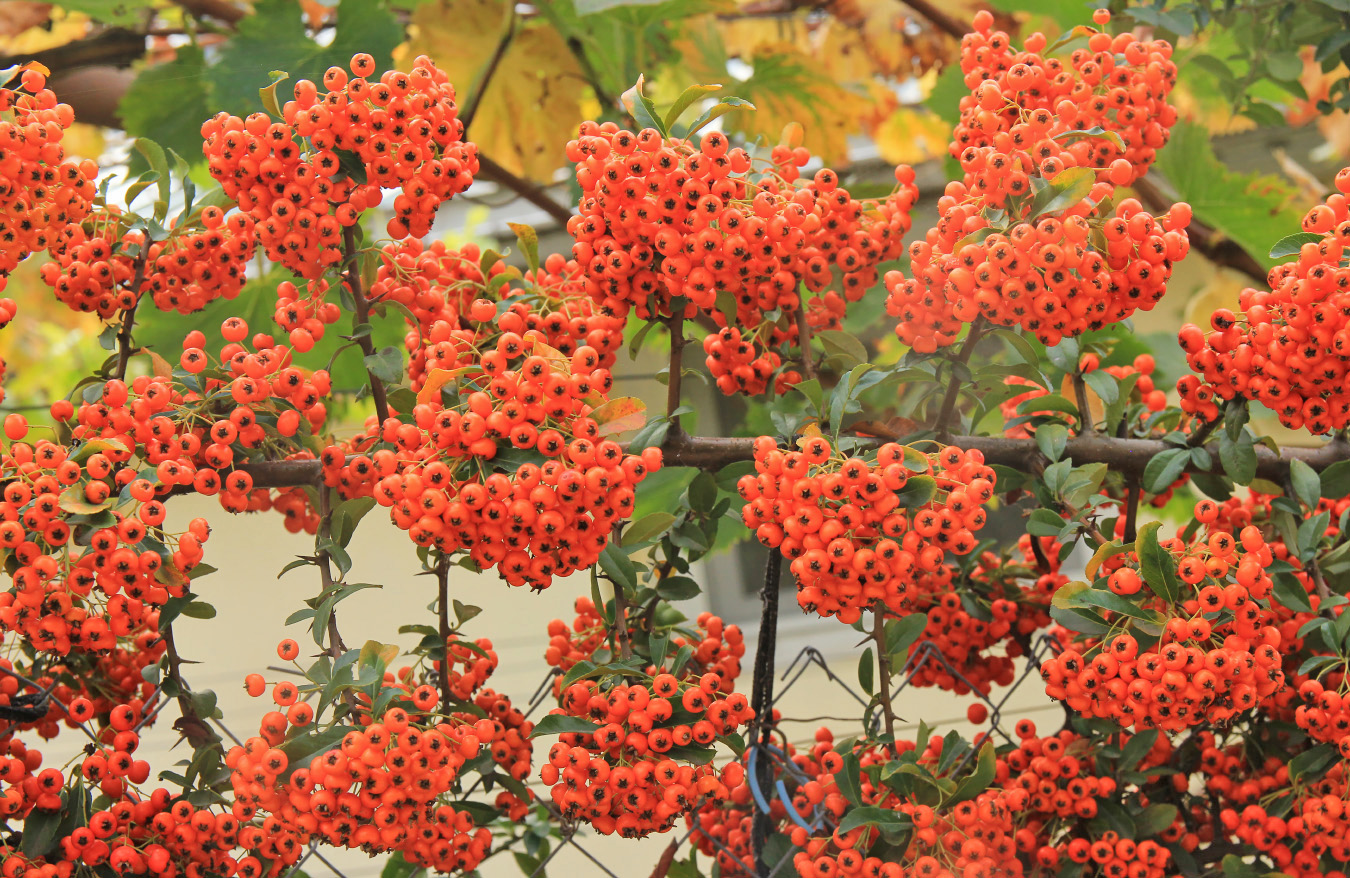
(533, 102)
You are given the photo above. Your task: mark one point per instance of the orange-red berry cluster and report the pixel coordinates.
(1219, 654)
(842, 524)
(107, 268)
(1026, 238)
(547, 516)
(41, 191)
(629, 776)
(401, 131)
(664, 218)
(1287, 347)
(717, 648)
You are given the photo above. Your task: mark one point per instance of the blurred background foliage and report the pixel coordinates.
(1264, 93)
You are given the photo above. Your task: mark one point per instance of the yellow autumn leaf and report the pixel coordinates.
(788, 85)
(534, 100)
(620, 415)
(909, 136)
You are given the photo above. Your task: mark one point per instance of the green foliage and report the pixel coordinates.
(1251, 209)
(169, 102)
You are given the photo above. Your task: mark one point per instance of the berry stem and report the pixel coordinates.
(443, 618)
(189, 724)
(954, 388)
(761, 700)
(884, 674)
(675, 375)
(325, 534)
(353, 273)
(804, 341)
(1086, 427)
(124, 349)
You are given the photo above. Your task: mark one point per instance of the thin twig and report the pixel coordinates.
(884, 674)
(336, 647)
(675, 323)
(1086, 426)
(475, 101)
(1132, 492)
(353, 272)
(443, 619)
(124, 349)
(954, 388)
(804, 342)
(531, 192)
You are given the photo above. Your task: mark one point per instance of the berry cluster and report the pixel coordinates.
(104, 267)
(462, 308)
(998, 604)
(1287, 348)
(41, 191)
(854, 532)
(662, 219)
(1218, 655)
(626, 776)
(400, 131)
(1026, 237)
(380, 790)
(443, 479)
(717, 648)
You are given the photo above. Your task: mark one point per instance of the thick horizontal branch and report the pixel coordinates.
(1125, 456)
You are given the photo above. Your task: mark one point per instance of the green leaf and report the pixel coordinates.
(642, 109)
(726, 105)
(1291, 245)
(1289, 593)
(199, 610)
(619, 567)
(40, 832)
(1051, 439)
(1066, 189)
(688, 97)
(1157, 565)
(843, 346)
(867, 671)
(386, 364)
(1251, 209)
(168, 102)
(649, 527)
(561, 723)
(978, 780)
(849, 779)
(1336, 480)
(1238, 457)
(275, 37)
(886, 819)
(1137, 748)
(1312, 761)
(1154, 819)
(1287, 66)
(901, 634)
(917, 491)
(268, 93)
(398, 867)
(347, 515)
(1164, 468)
(1307, 484)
